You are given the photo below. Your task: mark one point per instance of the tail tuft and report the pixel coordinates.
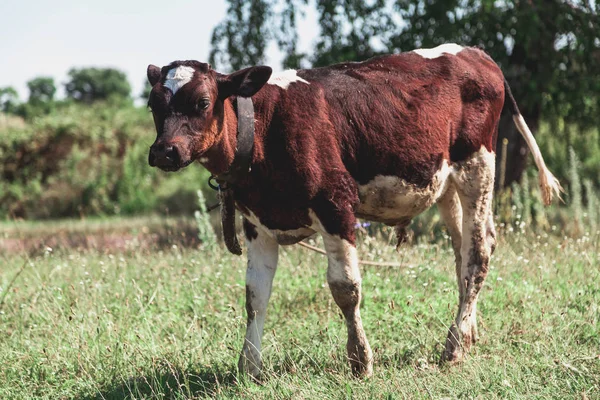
(550, 186)
(548, 183)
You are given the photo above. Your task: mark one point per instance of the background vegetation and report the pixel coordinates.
(79, 158)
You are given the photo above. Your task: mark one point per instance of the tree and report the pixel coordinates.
(9, 100)
(91, 84)
(549, 50)
(242, 37)
(41, 90)
(41, 98)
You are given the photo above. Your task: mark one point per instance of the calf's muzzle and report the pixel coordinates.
(164, 156)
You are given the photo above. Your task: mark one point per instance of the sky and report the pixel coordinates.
(49, 37)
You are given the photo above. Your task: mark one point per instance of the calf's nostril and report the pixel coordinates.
(172, 154)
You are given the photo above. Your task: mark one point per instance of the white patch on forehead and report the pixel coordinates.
(283, 79)
(448, 48)
(178, 77)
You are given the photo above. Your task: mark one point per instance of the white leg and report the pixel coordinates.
(451, 212)
(262, 264)
(474, 183)
(344, 281)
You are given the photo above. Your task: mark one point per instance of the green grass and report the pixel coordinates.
(170, 324)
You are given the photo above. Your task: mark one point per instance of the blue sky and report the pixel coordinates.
(49, 37)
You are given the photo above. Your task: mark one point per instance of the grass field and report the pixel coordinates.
(169, 324)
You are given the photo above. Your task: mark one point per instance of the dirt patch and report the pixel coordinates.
(106, 237)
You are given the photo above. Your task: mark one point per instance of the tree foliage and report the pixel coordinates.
(92, 84)
(9, 100)
(85, 85)
(41, 98)
(41, 89)
(243, 36)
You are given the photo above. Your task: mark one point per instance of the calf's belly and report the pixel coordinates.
(387, 199)
(283, 237)
(392, 200)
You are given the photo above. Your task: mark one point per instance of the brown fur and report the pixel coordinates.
(398, 115)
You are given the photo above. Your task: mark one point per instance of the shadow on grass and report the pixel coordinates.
(169, 383)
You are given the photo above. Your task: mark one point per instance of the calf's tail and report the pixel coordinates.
(548, 183)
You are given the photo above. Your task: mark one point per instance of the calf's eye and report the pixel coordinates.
(203, 104)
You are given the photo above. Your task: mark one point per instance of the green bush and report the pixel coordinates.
(88, 160)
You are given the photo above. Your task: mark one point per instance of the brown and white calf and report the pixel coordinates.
(382, 140)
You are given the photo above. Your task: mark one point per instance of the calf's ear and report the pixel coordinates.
(153, 73)
(244, 83)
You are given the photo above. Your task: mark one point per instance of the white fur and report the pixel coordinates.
(448, 48)
(472, 179)
(262, 264)
(475, 184)
(279, 235)
(549, 184)
(389, 198)
(464, 172)
(178, 77)
(285, 78)
(343, 260)
(451, 212)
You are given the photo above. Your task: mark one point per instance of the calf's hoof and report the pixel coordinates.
(457, 346)
(361, 362)
(250, 366)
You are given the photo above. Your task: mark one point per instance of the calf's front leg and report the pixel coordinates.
(262, 264)
(343, 277)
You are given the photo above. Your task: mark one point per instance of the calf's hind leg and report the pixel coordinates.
(451, 212)
(474, 182)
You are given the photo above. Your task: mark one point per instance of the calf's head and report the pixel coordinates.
(187, 103)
